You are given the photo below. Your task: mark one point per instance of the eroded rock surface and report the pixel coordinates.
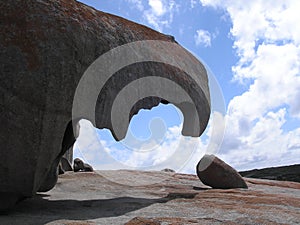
(45, 48)
(90, 198)
(215, 173)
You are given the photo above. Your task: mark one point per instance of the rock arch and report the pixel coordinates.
(45, 48)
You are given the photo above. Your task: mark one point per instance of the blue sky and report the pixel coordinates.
(252, 50)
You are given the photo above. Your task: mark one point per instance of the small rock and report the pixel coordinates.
(215, 173)
(168, 170)
(79, 165)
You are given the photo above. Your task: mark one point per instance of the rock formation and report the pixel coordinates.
(79, 165)
(215, 173)
(45, 48)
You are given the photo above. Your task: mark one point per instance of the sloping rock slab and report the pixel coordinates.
(89, 198)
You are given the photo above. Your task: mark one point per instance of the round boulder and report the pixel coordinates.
(215, 173)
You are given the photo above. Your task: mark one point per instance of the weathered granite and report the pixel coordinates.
(215, 173)
(45, 47)
(90, 199)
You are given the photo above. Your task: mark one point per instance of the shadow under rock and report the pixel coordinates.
(44, 211)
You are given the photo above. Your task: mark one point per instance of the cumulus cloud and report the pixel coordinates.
(157, 7)
(175, 151)
(156, 13)
(160, 14)
(202, 38)
(90, 148)
(268, 47)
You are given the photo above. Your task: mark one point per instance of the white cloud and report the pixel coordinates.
(157, 7)
(193, 3)
(160, 13)
(180, 153)
(156, 13)
(137, 3)
(175, 151)
(203, 38)
(268, 46)
(88, 144)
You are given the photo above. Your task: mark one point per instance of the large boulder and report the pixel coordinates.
(215, 173)
(45, 48)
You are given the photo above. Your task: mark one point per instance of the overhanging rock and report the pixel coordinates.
(46, 47)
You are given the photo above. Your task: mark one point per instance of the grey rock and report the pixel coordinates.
(168, 170)
(64, 165)
(45, 48)
(79, 165)
(69, 156)
(215, 173)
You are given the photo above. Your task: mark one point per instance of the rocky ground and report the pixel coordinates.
(128, 197)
